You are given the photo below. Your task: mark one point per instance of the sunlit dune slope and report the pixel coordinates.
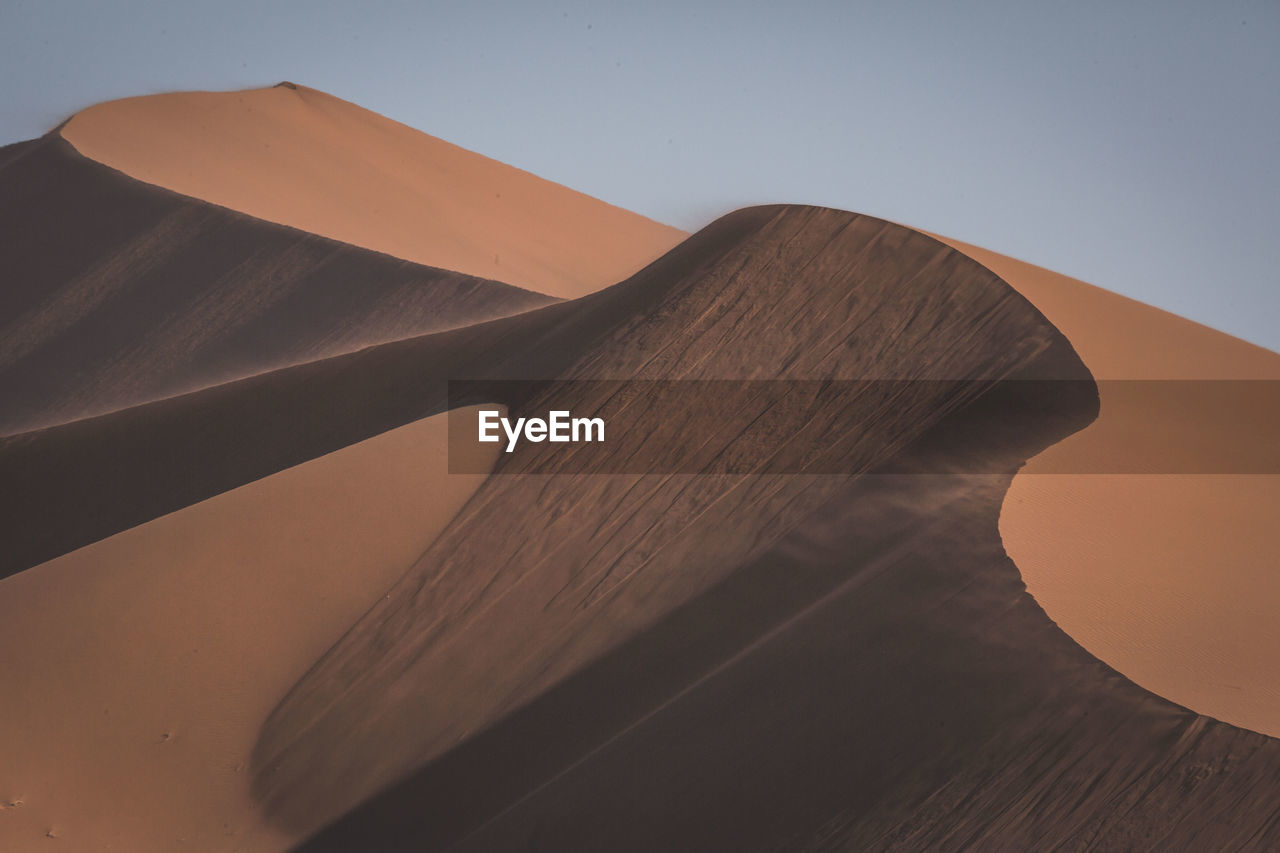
(1169, 578)
(303, 158)
(117, 292)
(137, 670)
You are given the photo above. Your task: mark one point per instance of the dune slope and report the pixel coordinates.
(1146, 569)
(499, 615)
(138, 670)
(300, 157)
(118, 292)
(583, 689)
(879, 680)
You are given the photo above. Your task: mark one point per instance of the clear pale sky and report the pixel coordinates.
(1135, 145)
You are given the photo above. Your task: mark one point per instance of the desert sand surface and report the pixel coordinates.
(118, 292)
(300, 157)
(1170, 578)
(563, 666)
(298, 629)
(596, 673)
(138, 670)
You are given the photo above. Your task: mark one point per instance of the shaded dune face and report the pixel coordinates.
(117, 293)
(538, 577)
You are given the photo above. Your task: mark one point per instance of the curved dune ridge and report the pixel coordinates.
(138, 670)
(1170, 578)
(300, 157)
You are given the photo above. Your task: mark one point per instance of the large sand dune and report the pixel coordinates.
(1049, 684)
(572, 653)
(295, 622)
(297, 156)
(500, 616)
(1170, 578)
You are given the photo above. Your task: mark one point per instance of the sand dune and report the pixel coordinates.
(1169, 578)
(500, 617)
(118, 292)
(294, 622)
(138, 670)
(1044, 700)
(565, 665)
(297, 156)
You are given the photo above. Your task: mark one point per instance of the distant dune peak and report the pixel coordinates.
(300, 157)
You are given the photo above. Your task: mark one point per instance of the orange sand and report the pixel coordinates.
(1171, 579)
(297, 156)
(138, 670)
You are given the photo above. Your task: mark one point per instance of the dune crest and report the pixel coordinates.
(1145, 570)
(300, 157)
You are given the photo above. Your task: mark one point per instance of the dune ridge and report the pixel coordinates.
(87, 479)
(300, 157)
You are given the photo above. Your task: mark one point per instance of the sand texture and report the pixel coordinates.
(1170, 578)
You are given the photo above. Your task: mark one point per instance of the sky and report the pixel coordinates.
(1134, 145)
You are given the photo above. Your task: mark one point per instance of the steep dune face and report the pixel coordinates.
(117, 292)
(1170, 578)
(500, 615)
(299, 157)
(138, 670)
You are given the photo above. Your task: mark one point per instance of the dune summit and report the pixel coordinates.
(300, 157)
